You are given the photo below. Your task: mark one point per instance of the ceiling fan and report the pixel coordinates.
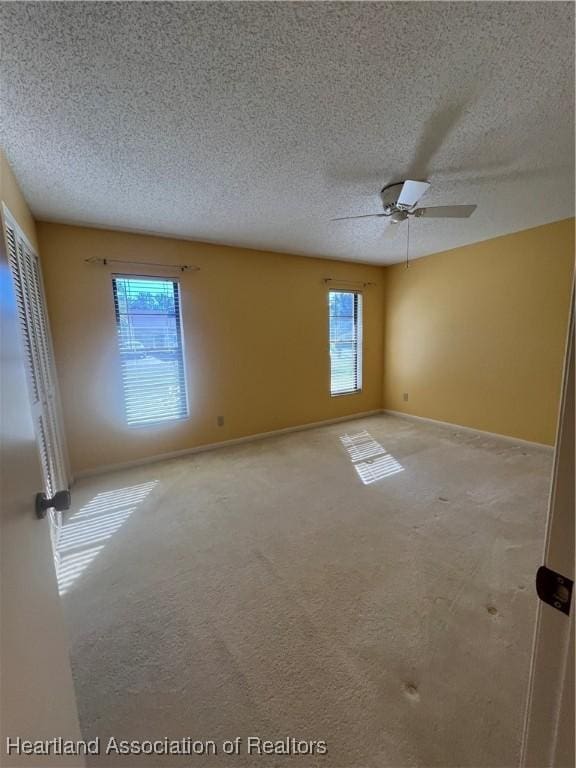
(401, 198)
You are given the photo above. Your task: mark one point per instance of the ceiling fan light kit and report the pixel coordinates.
(400, 199)
(403, 195)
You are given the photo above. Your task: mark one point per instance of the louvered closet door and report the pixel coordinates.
(28, 286)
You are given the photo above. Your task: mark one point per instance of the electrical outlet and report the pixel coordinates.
(405, 397)
(220, 421)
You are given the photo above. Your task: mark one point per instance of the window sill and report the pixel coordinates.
(159, 423)
(346, 394)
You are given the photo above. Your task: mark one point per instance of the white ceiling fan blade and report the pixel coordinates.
(364, 216)
(446, 212)
(411, 192)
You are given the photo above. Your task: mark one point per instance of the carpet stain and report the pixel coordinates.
(492, 610)
(411, 691)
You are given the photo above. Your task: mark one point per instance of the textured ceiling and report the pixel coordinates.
(255, 123)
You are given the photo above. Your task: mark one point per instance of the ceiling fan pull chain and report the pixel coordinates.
(407, 241)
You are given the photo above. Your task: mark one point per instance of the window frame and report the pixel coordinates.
(157, 423)
(359, 323)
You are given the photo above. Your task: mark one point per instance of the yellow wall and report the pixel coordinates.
(11, 195)
(476, 335)
(256, 339)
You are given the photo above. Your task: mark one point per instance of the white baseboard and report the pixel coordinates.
(222, 444)
(286, 430)
(449, 424)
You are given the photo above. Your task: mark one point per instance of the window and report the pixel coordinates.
(345, 314)
(150, 343)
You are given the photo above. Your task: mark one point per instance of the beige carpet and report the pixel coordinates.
(368, 584)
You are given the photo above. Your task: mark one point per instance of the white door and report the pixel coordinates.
(40, 368)
(36, 692)
(549, 731)
(39, 364)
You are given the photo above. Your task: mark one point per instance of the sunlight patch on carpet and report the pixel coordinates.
(85, 533)
(371, 461)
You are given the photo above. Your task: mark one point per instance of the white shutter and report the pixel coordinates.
(52, 402)
(40, 368)
(21, 298)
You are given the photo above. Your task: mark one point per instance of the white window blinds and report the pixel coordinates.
(150, 344)
(345, 316)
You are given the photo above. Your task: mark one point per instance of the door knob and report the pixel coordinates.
(60, 502)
